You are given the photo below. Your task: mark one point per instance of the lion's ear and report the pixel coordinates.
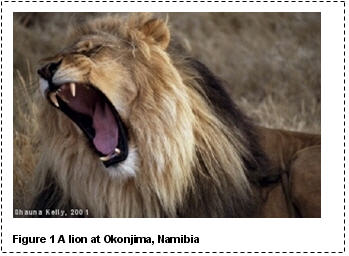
(157, 30)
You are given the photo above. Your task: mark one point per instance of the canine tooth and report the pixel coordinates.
(53, 99)
(117, 151)
(105, 158)
(72, 89)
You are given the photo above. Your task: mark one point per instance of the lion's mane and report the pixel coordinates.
(197, 153)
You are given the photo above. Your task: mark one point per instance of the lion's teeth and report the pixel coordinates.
(72, 88)
(53, 98)
(105, 158)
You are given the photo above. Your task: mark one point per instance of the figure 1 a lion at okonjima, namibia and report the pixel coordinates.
(134, 127)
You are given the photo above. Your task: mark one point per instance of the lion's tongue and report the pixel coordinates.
(89, 102)
(106, 138)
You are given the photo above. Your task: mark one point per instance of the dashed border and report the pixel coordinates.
(212, 252)
(344, 216)
(168, 1)
(171, 1)
(1, 121)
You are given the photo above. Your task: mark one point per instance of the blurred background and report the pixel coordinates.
(270, 61)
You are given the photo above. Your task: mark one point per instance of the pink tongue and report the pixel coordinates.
(106, 138)
(88, 102)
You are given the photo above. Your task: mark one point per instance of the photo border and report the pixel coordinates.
(167, 1)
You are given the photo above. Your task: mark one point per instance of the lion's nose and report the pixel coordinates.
(49, 70)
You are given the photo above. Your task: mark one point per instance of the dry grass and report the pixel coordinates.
(25, 127)
(271, 62)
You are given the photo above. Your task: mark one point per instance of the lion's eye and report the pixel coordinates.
(90, 52)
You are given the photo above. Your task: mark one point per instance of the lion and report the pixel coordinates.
(132, 126)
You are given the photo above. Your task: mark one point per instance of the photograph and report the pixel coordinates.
(167, 115)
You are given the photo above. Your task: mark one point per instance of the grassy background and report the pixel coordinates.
(271, 62)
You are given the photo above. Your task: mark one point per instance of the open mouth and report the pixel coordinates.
(90, 109)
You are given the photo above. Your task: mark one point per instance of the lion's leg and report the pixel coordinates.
(280, 146)
(296, 158)
(274, 203)
(305, 181)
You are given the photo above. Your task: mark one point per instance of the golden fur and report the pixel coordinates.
(168, 121)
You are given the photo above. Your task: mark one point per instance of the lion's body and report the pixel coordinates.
(192, 153)
(296, 158)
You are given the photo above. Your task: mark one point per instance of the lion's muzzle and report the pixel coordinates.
(91, 110)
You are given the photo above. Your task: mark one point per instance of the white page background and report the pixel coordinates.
(216, 235)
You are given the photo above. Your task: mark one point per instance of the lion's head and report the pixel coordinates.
(129, 130)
